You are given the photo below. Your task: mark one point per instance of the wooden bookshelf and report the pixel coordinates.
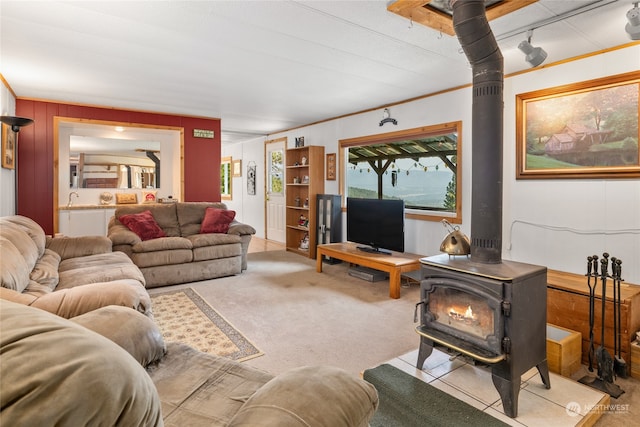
(304, 180)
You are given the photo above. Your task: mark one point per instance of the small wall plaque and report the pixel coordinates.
(203, 133)
(126, 198)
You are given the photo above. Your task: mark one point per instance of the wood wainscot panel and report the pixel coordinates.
(568, 307)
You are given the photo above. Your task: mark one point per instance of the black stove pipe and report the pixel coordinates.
(482, 51)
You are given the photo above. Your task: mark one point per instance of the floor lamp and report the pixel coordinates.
(15, 123)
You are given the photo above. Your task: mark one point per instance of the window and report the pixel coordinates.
(276, 169)
(420, 166)
(225, 178)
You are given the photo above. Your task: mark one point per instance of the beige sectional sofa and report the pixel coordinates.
(183, 254)
(66, 276)
(79, 347)
(111, 367)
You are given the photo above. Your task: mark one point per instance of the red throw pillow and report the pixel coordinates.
(143, 224)
(217, 220)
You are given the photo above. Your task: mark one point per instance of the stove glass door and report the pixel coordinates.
(462, 311)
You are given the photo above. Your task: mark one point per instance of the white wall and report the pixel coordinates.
(558, 223)
(7, 176)
(249, 208)
(555, 223)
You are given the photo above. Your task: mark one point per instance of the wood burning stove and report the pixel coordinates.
(494, 313)
(491, 310)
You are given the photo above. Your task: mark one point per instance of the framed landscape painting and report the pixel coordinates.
(582, 130)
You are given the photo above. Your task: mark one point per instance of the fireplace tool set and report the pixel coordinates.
(608, 367)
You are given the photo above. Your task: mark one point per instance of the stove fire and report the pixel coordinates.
(467, 317)
(461, 311)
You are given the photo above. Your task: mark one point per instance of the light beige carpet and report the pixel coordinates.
(300, 317)
(183, 316)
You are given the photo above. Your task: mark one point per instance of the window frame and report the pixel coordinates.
(226, 162)
(420, 132)
(270, 172)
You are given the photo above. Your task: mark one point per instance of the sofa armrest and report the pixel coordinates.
(240, 229)
(121, 235)
(79, 300)
(56, 372)
(17, 297)
(131, 330)
(73, 247)
(320, 396)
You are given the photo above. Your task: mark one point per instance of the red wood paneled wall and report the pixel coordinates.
(35, 153)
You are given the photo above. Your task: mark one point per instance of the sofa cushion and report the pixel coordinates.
(164, 214)
(216, 220)
(55, 372)
(131, 330)
(319, 396)
(26, 224)
(143, 224)
(73, 247)
(213, 239)
(190, 215)
(44, 276)
(156, 258)
(217, 252)
(97, 268)
(14, 270)
(26, 247)
(162, 244)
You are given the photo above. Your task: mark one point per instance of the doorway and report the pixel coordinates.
(275, 198)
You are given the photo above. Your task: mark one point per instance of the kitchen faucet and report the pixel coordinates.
(72, 194)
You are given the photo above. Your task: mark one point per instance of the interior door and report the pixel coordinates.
(275, 197)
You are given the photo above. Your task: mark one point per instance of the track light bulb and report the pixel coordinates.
(534, 55)
(633, 26)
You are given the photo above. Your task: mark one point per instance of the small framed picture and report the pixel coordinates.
(8, 147)
(331, 167)
(236, 170)
(149, 196)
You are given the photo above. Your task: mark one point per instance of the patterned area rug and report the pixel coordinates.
(185, 317)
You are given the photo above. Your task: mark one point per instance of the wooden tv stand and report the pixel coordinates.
(394, 264)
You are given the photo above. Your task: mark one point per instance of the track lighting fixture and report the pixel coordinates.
(534, 55)
(633, 26)
(15, 122)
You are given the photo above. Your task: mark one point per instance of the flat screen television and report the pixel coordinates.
(377, 223)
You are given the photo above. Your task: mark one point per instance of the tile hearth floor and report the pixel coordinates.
(537, 406)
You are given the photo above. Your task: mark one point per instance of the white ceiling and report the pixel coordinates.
(262, 66)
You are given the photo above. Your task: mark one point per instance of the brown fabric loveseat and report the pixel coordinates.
(183, 254)
(67, 276)
(98, 377)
